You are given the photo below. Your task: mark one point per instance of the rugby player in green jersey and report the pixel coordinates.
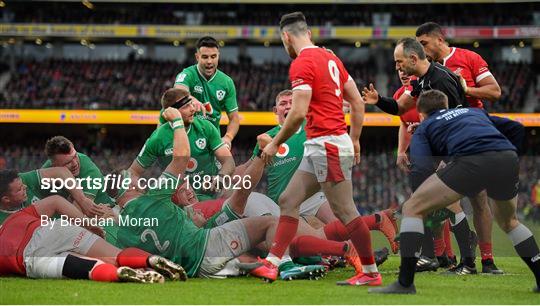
(202, 251)
(207, 148)
(62, 153)
(211, 87)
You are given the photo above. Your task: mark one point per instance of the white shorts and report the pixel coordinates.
(329, 158)
(46, 252)
(225, 242)
(259, 204)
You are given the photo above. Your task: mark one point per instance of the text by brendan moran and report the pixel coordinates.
(122, 220)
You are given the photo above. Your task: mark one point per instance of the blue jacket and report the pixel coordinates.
(452, 133)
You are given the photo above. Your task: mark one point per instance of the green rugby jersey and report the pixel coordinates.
(88, 169)
(168, 231)
(203, 138)
(286, 161)
(217, 94)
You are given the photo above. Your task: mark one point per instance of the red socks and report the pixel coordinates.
(439, 246)
(104, 272)
(285, 232)
(336, 231)
(448, 239)
(371, 222)
(305, 246)
(361, 239)
(486, 250)
(133, 257)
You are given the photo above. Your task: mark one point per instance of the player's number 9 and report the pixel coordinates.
(334, 73)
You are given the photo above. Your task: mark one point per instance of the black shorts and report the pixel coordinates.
(495, 171)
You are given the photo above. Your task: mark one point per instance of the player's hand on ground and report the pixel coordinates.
(263, 139)
(171, 113)
(268, 153)
(370, 95)
(356, 146)
(412, 127)
(403, 162)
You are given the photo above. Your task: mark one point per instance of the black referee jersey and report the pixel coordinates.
(443, 79)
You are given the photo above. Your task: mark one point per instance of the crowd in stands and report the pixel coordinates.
(138, 84)
(268, 14)
(378, 183)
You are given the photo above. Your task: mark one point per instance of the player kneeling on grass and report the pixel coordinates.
(480, 157)
(34, 246)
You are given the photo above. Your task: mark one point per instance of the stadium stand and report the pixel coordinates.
(265, 14)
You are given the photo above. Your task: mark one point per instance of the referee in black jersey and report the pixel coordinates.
(411, 59)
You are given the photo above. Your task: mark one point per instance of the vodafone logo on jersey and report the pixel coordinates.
(283, 150)
(192, 164)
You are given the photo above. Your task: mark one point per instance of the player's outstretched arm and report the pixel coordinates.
(224, 156)
(88, 207)
(388, 105)
(352, 95)
(296, 116)
(181, 150)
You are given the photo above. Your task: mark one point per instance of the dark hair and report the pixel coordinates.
(207, 41)
(7, 176)
(431, 100)
(57, 145)
(293, 22)
(172, 95)
(429, 28)
(410, 45)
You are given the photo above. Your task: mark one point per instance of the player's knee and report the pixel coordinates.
(286, 202)
(507, 224)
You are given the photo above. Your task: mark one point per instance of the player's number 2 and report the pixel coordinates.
(153, 235)
(334, 73)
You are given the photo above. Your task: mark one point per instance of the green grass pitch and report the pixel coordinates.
(515, 287)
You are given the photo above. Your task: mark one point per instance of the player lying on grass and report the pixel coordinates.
(33, 247)
(479, 158)
(203, 252)
(206, 146)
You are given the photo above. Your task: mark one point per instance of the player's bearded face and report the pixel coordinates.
(431, 46)
(207, 59)
(286, 39)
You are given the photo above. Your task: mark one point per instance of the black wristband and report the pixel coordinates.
(388, 105)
